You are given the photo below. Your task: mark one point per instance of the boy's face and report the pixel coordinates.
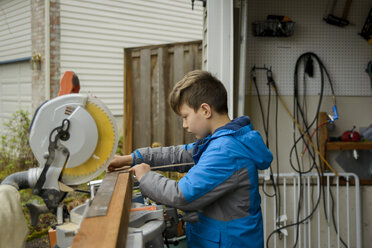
(195, 122)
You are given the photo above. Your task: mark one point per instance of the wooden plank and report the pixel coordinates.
(335, 146)
(102, 198)
(365, 181)
(190, 65)
(162, 83)
(111, 230)
(155, 83)
(165, 107)
(178, 73)
(145, 97)
(136, 100)
(135, 49)
(169, 112)
(128, 103)
(142, 102)
(323, 136)
(199, 56)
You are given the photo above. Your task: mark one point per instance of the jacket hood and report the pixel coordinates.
(241, 129)
(235, 124)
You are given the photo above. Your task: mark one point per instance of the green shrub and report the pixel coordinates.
(119, 150)
(15, 151)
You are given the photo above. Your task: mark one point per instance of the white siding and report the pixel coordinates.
(15, 29)
(94, 33)
(15, 43)
(205, 35)
(15, 89)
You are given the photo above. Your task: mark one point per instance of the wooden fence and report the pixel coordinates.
(149, 75)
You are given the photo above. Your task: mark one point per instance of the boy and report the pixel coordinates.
(223, 184)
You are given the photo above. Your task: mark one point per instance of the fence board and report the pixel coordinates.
(142, 129)
(178, 73)
(192, 62)
(155, 97)
(162, 83)
(169, 112)
(136, 100)
(128, 107)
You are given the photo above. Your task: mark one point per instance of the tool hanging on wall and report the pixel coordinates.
(335, 20)
(369, 71)
(274, 26)
(366, 32)
(36, 61)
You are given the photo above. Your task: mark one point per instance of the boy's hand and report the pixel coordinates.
(140, 170)
(120, 161)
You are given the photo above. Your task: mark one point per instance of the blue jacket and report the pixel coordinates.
(222, 186)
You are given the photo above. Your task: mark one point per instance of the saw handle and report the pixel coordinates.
(63, 134)
(346, 9)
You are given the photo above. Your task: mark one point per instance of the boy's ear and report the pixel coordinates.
(206, 110)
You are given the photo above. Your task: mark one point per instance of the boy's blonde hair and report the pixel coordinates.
(198, 87)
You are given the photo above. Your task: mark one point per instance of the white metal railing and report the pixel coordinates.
(322, 233)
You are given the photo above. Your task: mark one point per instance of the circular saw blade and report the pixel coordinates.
(105, 149)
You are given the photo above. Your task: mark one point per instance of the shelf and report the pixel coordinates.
(325, 147)
(335, 146)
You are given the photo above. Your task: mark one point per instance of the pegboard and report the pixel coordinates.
(343, 51)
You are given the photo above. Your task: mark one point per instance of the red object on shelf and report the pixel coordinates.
(350, 136)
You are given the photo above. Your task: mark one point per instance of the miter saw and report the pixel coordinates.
(73, 137)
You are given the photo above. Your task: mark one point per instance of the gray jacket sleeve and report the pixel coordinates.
(167, 192)
(164, 156)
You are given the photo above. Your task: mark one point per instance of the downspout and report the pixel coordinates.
(47, 49)
(227, 58)
(243, 58)
(231, 77)
(220, 47)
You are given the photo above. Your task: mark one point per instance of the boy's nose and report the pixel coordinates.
(184, 125)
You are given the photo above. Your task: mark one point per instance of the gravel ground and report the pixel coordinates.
(42, 242)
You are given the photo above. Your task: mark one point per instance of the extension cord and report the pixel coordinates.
(303, 133)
